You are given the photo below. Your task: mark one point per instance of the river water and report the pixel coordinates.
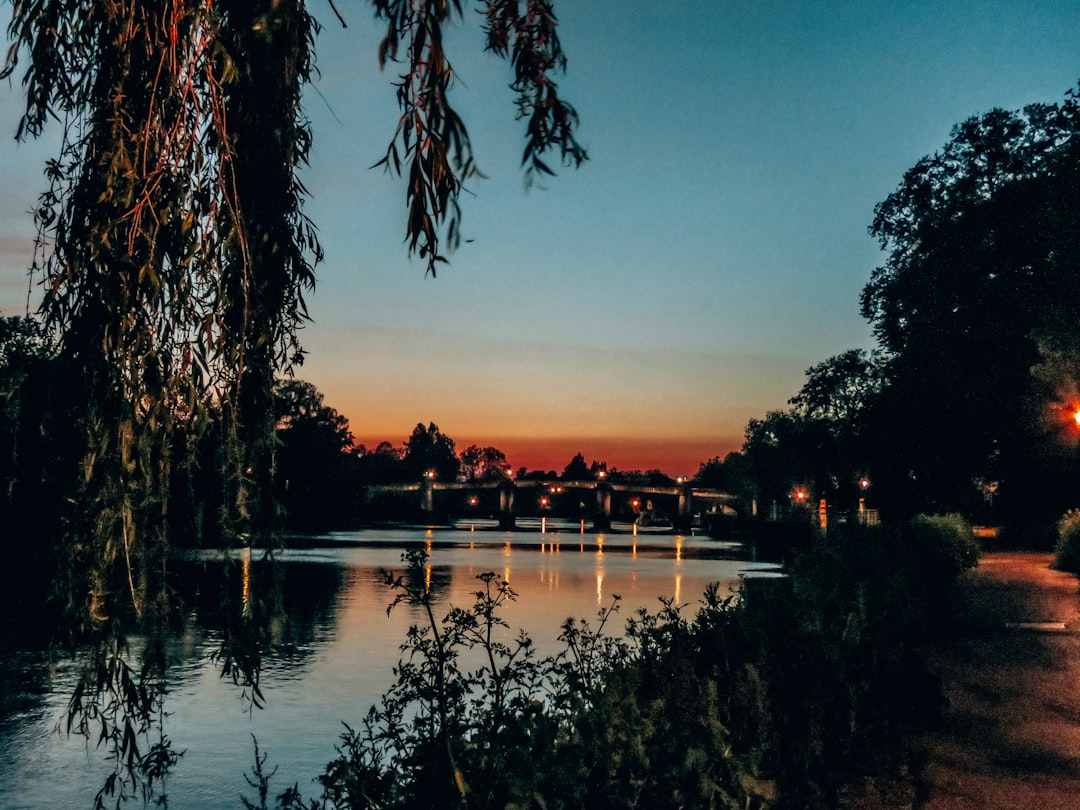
(334, 649)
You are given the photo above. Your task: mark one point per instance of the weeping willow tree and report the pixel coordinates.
(173, 249)
(174, 257)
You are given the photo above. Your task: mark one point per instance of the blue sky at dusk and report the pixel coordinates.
(644, 307)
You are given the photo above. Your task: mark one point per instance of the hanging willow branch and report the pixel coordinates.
(174, 252)
(172, 245)
(431, 145)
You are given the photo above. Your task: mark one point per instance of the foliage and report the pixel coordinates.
(771, 699)
(839, 647)
(839, 390)
(577, 470)
(574, 730)
(785, 450)
(122, 708)
(428, 449)
(35, 454)
(173, 248)
(1067, 550)
(483, 463)
(174, 255)
(314, 475)
(820, 443)
(965, 406)
(978, 288)
(431, 145)
(946, 542)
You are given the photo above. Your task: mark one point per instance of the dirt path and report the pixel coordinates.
(1010, 735)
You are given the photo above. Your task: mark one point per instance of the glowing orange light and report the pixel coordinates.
(1076, 417)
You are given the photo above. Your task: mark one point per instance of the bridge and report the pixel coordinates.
(517, 498)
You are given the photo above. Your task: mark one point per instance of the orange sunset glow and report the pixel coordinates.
(674, 456)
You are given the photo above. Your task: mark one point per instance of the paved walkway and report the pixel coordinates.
(1010, 736)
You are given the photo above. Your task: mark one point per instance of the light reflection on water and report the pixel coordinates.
(336, 650)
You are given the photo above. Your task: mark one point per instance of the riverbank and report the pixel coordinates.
(1009, 665)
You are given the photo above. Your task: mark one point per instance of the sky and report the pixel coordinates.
(642, 308)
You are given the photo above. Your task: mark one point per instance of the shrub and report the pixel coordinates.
(946, 541)
(1067, 550)
(608, 723)
(771, 700)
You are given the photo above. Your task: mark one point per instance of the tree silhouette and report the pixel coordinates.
(979, 287)
(173, 247)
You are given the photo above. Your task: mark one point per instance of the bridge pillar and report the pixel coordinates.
(684, 519)
(602, 519)
(506, 506)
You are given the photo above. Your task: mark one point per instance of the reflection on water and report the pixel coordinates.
(332, 648)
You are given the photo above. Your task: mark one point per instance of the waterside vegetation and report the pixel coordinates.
(774, 699)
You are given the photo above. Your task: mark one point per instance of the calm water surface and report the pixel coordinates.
(334, 651)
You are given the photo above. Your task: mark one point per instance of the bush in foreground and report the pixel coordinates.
(769, 700)
(1067, 550)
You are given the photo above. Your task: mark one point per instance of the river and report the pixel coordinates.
(334, 647)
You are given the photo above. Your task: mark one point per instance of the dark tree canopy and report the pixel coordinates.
(841, 388)
(483, 463)
(577, 469)
(981, 283)
(429, 450)
(313, 474)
